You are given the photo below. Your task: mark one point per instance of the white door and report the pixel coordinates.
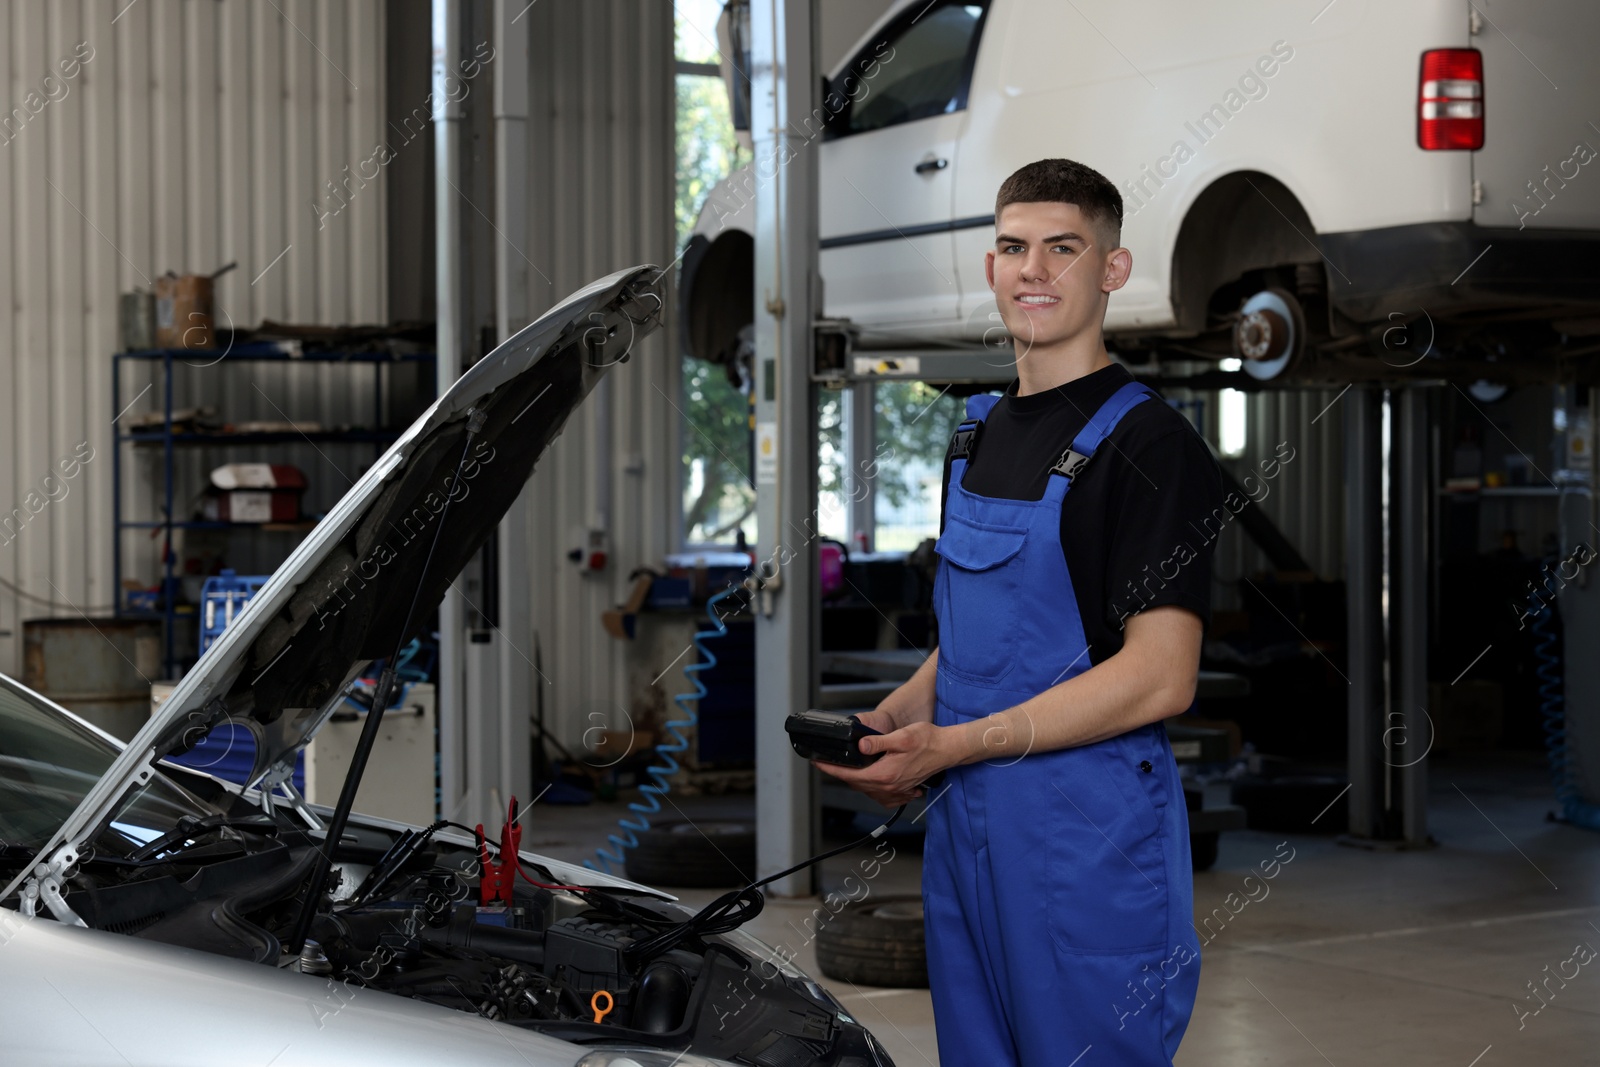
(1541, 138)
(888, 256)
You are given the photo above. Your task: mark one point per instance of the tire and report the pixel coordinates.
(876, 942)
(700, 855)
(1203, 849)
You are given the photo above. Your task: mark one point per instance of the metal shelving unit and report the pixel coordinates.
(169, 441)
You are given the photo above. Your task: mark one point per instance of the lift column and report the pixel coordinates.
(783, 93)
(1409, 732)
(1387, 494)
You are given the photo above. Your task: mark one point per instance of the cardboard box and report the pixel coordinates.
(252, 505)
(255, 493)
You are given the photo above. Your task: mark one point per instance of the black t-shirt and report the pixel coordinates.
(1134, 526)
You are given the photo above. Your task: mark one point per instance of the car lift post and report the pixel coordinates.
(1387, 491)
(1408, 733)
(505, 740)
(783, 96)
(447, 124)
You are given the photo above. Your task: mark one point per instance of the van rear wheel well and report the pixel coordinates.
(1245, 232)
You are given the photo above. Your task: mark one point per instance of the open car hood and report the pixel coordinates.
(340, 600)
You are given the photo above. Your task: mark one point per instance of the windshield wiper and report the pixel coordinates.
(189, 827)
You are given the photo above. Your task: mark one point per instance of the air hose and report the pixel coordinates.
(662, 772)
(1552, 705)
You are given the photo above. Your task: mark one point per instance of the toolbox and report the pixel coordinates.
(222, 599)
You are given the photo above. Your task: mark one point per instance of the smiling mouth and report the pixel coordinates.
(1038, 301)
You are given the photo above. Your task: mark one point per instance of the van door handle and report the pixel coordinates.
(927, 166)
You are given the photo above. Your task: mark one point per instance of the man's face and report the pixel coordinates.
(1050, 272)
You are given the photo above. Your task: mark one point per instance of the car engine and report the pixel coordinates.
(419, 916)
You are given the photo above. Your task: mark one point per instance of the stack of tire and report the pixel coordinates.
(694, 855)
(876, 942)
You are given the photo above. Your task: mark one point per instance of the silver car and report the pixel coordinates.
(151, 912)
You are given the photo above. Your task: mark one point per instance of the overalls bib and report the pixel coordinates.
(1056, 885)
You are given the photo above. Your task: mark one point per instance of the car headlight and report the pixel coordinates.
(766, 954)
(646, 1057)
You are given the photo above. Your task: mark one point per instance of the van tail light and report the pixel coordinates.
(1450, 99)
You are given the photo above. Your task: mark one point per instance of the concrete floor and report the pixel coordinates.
(1352, 957)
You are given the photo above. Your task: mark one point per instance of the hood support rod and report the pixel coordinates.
(369, 730)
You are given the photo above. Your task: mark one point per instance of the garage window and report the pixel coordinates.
(914, 424)
(718, 494)
(707, 148)
(900, 462)
(1233, 414)
(919, 67)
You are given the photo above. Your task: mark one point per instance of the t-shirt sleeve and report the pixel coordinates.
(1161, 526)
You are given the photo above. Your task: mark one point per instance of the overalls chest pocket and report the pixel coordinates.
(979, 589)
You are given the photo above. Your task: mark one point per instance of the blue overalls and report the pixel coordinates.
(1056, 885)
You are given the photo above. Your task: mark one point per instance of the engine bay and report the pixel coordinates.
(422, 914)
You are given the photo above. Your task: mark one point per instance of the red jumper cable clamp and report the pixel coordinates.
(498, 878)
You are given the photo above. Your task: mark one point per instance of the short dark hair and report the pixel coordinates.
(1064, 181)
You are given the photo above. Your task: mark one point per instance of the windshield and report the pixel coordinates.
(49, 761)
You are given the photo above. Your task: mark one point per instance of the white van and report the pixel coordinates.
(1300, 181)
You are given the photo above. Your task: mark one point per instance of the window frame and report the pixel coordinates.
(836, 123)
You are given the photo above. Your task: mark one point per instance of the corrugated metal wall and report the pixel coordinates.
(1305, 498)
(180, 135)
(601, 160)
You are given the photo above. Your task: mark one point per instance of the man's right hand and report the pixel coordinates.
(879, 718)
(911, 757)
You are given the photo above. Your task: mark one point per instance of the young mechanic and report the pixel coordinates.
(1072, 591)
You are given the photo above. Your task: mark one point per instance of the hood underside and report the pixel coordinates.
(343, 596)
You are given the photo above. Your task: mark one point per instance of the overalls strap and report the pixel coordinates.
(964, 442)
(980, 404)
(1098, 428)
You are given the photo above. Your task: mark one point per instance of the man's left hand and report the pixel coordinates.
(910, 756)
